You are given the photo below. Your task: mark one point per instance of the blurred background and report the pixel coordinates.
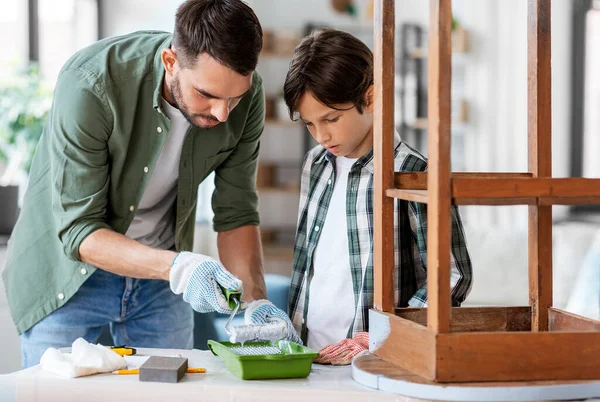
(489, 113)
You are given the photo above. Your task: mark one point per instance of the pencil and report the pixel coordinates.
(190, 370)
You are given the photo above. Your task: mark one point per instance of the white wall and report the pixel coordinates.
(497, 91)
(496, 73)
(126, 16)
(293, 14)
(121, 17)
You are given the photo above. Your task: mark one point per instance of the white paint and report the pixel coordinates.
(479, 392)
(269, 332)
(379, 330)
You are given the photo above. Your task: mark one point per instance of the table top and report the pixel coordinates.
(217, 384)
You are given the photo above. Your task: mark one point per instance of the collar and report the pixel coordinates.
(159, 72)
(367, 160)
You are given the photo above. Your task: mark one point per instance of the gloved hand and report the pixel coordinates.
(260, 312)
(198, 277)
(342, 353)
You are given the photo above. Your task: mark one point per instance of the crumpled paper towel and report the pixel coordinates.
(85, 359)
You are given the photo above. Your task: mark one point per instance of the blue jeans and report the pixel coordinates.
(140, 312)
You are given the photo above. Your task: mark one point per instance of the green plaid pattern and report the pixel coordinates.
(410, 237)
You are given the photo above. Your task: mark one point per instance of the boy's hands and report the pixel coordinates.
(342, 353)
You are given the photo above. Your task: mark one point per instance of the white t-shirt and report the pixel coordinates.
(154, 220)
(331, 299)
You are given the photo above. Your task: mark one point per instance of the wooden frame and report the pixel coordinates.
(445, 344)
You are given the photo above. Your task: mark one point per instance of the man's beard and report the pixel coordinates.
(178, 99)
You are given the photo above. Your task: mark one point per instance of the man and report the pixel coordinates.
(138, 121)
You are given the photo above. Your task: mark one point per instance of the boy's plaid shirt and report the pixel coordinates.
(410, 237)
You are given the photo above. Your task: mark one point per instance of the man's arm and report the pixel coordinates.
(240, 251)
(235, 203)
(121, 255)
(80, 126)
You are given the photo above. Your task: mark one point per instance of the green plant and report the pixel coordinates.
(455, 23)
(24, 105)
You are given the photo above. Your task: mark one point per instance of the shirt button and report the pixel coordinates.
(145, 169)
(329, 182)
(83, 271)
(131, 208)
(159, 129)
(61, 296)
(316, 228)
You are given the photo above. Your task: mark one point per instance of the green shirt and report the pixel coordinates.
(99, 147)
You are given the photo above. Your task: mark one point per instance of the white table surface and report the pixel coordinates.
(325, 383)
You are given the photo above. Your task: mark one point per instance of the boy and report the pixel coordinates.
(330, 87)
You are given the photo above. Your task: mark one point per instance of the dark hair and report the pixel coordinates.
(334, 65)
(226, 30)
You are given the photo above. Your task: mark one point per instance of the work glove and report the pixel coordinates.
(261, 312)
(200, 279)
(342, 353)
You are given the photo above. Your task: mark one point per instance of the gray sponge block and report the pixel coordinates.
(163, 369)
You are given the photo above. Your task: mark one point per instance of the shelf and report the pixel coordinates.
(421, 53)
(276, 55)
(283, 164)
(282, 122)
(279, 190)
(459, 42)
(459, 123)
(422, 124)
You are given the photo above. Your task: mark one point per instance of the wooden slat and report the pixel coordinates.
(496, 201)
(383, 144)
(482, 188)
(409, 384)
(409, 195)
(540, 158)
(518, 356)
(402, 342)
(488, 190)
(438, 180)
(582, 200)
(477, 319)
(410, 180)
(560, 320)
(418, 180)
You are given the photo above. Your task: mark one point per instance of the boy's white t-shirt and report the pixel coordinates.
(331, 299)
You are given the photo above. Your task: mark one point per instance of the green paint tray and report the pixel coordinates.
(265, 360)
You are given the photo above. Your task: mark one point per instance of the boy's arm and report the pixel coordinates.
(461, 272)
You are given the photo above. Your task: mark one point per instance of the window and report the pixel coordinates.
(585, 120)
(13, 26)
(64, 27)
